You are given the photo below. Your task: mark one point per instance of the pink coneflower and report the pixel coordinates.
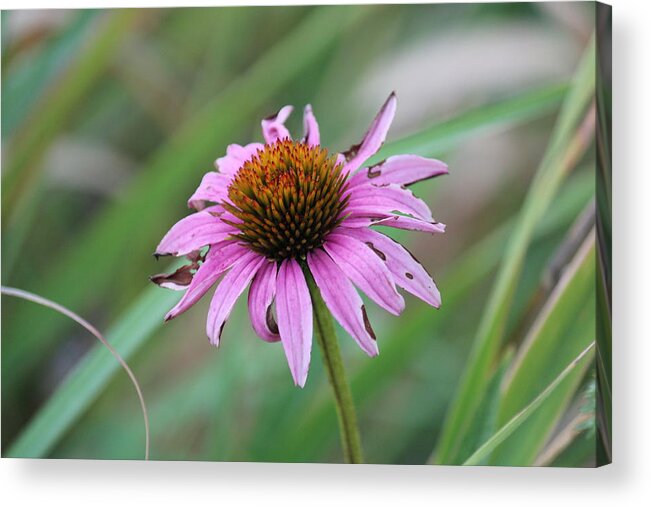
(278, 214)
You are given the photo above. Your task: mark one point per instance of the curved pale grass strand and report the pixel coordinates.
(28, 296)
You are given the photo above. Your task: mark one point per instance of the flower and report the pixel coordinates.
(273, 211)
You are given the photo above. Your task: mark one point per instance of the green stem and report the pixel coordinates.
(327, 339)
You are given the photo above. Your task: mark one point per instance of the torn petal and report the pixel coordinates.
(401, 170)
(219, 259)
(411, 224)
(378, 201)
(407, 272)
(395, 221)
(179, 280)
(374, 138)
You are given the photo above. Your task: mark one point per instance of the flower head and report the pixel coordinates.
(274, 211)
(288, 198)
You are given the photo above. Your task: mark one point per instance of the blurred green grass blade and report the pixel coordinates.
(53, 113)
(558, 159)
(513, 424)
(173, 408)
(486, 423)
(604, 238)
(563, 439)
(143, 214)
(580, 452)
(84, 383)
(564, 327)
(17, 227)
(25, 82)
(604, 349)
(452, 132)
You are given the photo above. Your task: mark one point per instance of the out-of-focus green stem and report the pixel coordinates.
(327, 340)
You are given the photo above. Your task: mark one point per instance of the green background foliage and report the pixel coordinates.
(109, 120)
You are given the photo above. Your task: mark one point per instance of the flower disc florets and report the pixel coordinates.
(288, 197)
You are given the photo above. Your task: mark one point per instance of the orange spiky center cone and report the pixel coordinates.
(288, 197)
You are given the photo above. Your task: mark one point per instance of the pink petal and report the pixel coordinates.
(273, 127)
(193, 233)
(236, 157)
(261, 296)
(213, 188)
(412, 224)
(366, 270)
(407, 272)
(228, 290)
(342, 300)
(244, 153)
(396, 221)
(401, 169)
(294, 310)
(311, 127)
(220, 257)
(374, 138)
(377, 201)
(228, 166)
(358, 221)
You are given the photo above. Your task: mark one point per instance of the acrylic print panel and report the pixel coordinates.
(410, 266)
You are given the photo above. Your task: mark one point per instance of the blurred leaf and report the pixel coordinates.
(448, 134)
(604, 364)
(486, 423)
(579, 426)
(564, 327)
(562, 153)
(513, 424)
(48, 119)
(579, 453)
(604, 234)
(23, 85)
